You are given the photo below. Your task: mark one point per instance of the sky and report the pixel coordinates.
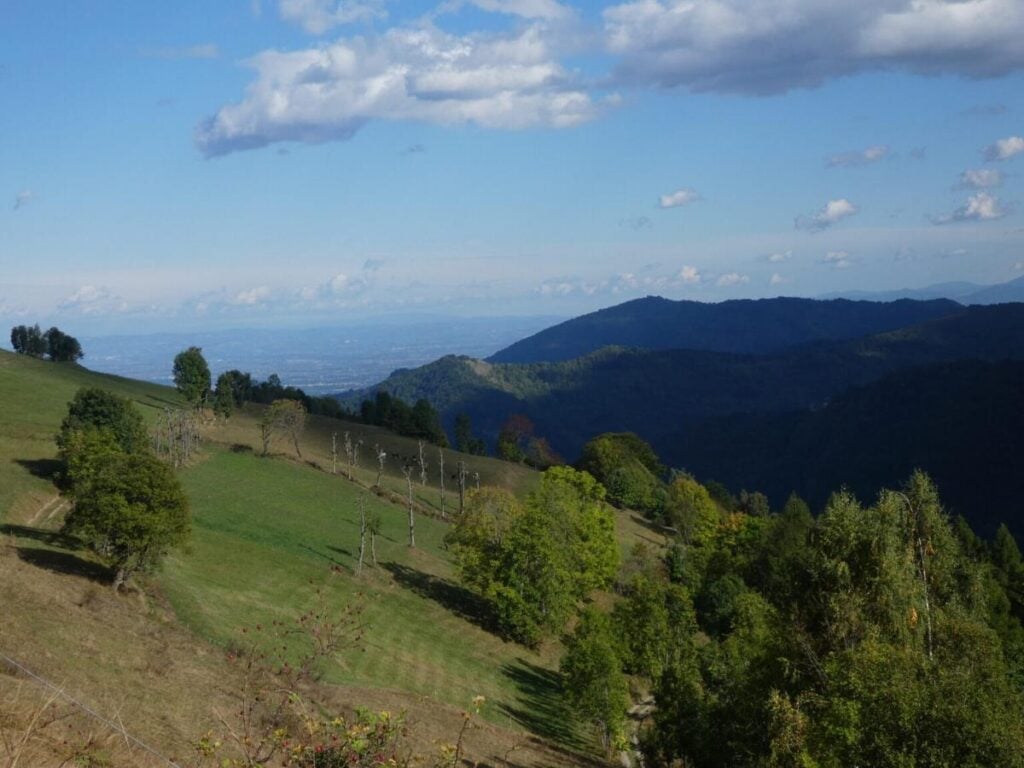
(257, 163)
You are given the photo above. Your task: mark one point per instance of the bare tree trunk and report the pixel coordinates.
(119, 578)
(462, 486)
(348, 454)
(423, 465)
(381, 456)
(295, 441)
(440, 454)
(373, 545)
(407, 471)
(476, 477)
(361, 506)
(334, 453)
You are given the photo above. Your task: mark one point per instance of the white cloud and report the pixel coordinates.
(204, 51)
(861, 157)
(319, 16)
(979, 207)
(731, 279)
(778, 257)
(982, 178)
(23, 198)
(833, 212)
(679, 198)
(1004, 149)
(92, 300)
(689, 275)
(329, 92)
(1019, 266)
(777, 279)
(770, 46)
(529, 9)
(251, 297)
(838, 259)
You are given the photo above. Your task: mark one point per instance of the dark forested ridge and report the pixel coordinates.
(666, 396)
(962, 421)
(743, 326)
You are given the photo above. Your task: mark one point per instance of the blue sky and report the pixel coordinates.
(283, 162)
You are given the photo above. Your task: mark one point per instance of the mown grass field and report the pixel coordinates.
(267, 531)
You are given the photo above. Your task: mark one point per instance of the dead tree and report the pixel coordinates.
(440, 455)
(334, 453)
(423, 466)
(381, 456)
(407, 472)
(361, 507)
(476, 478)
(462, 486)
(348, 454)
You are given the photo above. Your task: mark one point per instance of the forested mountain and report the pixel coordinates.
(743, 326)
(666, 396)
(962, 292)
(963, 422)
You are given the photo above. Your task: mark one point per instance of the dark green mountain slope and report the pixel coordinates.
(743, 326)
(962, 422)
(659, 394)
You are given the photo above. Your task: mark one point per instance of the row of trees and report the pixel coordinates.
(53, 344)
(129, 507)
(420, 420)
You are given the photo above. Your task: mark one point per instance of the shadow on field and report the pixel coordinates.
(44, 468)
(332, 560)
(539, 706)
(56, 560)
(448, 594)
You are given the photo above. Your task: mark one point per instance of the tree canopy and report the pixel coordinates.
(54, 343)
(192, 375)
(98, 409)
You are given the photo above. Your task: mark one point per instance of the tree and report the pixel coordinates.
(226, 396)
(628, 468)
(513, 437)
(192, 376)
(99, 409)
(28, 340)
(465, 442)
(131, 513)
(593, 679)
(287, 417)
(62, 348)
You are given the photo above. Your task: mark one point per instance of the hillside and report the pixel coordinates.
(961, 422)
(266, 533)
(962, 292)
(740, 327)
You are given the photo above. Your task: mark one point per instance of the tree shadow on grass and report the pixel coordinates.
(332, 560)
(448, 594)
(540, 707)
(48, 469)
(56, 554)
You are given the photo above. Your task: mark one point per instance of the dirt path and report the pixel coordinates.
(47, 512)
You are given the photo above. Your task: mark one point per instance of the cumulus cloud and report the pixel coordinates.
(528, 9)
(777, 279)
(1004, 149)
(623, 283)
(731, 279)
(979, 207)
(982, 178)
(860, 157)
(204, 51)
(771, 46)
(834, 211)
(679, 198)
(319, 16)
(778, 257)
(92, 300)
(23, 198)
(251, 297)
(689, 275)
(838, 259)
(507, 81)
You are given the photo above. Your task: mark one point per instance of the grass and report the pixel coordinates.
(266, 533)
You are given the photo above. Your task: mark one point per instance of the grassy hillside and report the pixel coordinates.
(742, 326)
(266, 533)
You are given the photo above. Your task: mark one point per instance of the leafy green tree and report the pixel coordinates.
(513, 438)
(192, 376)
(534, 562)
(285, 417)
(131, 513)
(62, 348)
(28, 340)
(97, 408)
(628, 468)
(593, 678)
(224, 397)
(465, 442)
